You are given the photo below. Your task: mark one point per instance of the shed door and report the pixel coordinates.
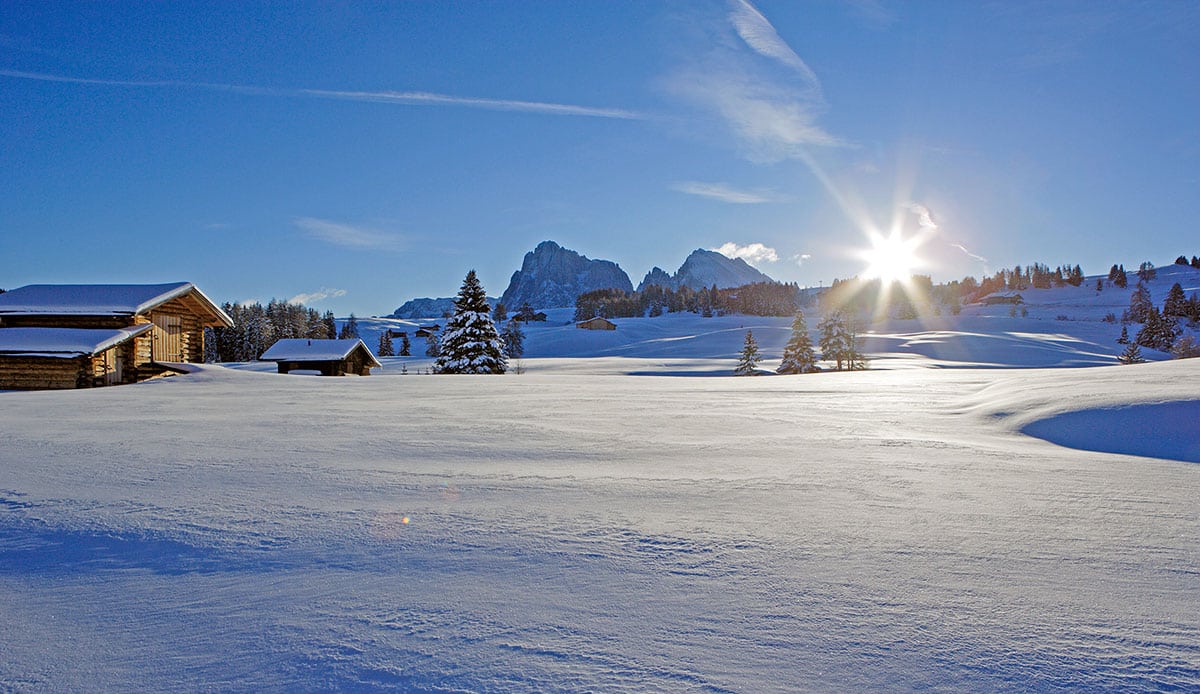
(113, 367)
(168, 338)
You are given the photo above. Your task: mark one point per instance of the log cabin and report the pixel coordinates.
(329, 357)
(596, 323)
(56, 336)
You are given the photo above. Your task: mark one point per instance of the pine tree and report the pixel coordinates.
(798, 355)
(330, 322)
(839, 342)
(405, 345)
(746, 366)
(433, 345)
(1140, 304)
(385, 345)
(350, 329)
(513, 339)
(500, 313)
(1124, 338)
(1176, 303)
(1120, 278)
(1131, 355)
(1158, 333)
(470, 343)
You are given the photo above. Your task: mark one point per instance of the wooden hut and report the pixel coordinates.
(596, 323)
(329, 357)
(79, 336)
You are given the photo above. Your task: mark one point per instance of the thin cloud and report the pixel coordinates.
(387, 97)
(319, 295)
(969, 253)
(724, 193)
(773, 114)
(799, 258)
(753, 253)
(760, 35)
(349, 236)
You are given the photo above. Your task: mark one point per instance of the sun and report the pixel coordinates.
(891, 258)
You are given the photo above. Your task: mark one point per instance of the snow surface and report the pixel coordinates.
(89, 299)
(66, 343)
(573, 528)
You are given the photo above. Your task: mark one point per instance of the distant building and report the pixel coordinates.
(56, 336)
(329, 357)
(1003, 298)
(596, 323)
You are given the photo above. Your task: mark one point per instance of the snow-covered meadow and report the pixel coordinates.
(578, 528)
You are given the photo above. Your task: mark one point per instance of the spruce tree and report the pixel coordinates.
(1176, 303)
(839, 342)
(1131, 355)
(385, 345)
(350, 329)
(513, 339)
(1140, 304)
(1158, 333)
(798, 355)
(470, 343)
(749, 360)
(1124, 338)
(405, 345)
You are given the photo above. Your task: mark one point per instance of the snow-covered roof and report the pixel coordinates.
(64, 343)
(300, 349)
(98, 299)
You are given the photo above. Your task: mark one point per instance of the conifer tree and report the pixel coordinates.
(1124, 338)
(1131, 355)
(1176, 303)
(1158, 333)
(330, 322)
(433, 345)
(470, 343)
(350, 329)
(1140, 304)
(500, 313)
(405, 345)
(385, 345)
(750, 356)
(839, 342)
(798, 355)
(514, 340)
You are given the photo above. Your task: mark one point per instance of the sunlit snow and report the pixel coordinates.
(578, 528)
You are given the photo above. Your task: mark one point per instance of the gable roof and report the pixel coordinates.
(100, 299)
(64, 343)
(300, 349)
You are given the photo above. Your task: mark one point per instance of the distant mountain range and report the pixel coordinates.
(552, 276)
(702, 269)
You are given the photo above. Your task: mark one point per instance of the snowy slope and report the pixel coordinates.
(890, 529)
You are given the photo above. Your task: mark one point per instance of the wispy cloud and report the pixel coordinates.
(760, 35)
(800, 258)
(407, 98)
(753, 253)
(963, 248)
(313, 297)
(772, 113)
(349, 236)
(724, 193)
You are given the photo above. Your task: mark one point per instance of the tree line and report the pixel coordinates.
(757, 299)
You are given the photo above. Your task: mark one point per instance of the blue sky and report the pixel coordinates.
(372, 153)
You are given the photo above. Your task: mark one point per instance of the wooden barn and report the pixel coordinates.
(596, 323)
(55, 336)
(329, 357)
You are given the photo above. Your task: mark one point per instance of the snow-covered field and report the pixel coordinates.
(575, 528)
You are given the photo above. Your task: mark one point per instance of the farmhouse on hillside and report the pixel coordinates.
(596, 323)
(329, 357)
(55, 336)
(1002, 298)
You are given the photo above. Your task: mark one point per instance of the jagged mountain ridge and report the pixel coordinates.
(428, 308)
(703, 269)
(552, 276)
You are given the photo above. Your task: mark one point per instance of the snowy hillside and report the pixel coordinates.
(1063, 326)
(890, 529)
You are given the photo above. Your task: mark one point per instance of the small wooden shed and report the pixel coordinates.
(329, 357)
(83, 335)
(596, 323)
